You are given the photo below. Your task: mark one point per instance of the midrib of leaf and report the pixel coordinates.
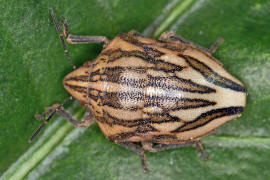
(54, 135)
(41, 152)
(45, 144)
(237, 141)
(173, 16)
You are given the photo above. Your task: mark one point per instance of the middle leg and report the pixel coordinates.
(138, 150)
(74, 39)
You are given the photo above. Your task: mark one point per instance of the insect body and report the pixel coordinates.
(169, 92)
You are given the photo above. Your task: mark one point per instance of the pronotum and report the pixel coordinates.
(168, 92)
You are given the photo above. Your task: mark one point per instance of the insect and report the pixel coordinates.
(148, 94)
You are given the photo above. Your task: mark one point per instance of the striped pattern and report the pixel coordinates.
(163, 92)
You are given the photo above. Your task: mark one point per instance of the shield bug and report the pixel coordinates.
(161, 94)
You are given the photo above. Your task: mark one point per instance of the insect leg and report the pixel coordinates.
(86, 122)
(199, 146)
(161, 147)
(61, 36)
(214, 46)
(173, 37)
(75, 39)
(58, 109)
(138, 150)
(50, 112)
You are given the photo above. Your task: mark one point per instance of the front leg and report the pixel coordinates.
(88, 118)
(86, 121)
(74, 39)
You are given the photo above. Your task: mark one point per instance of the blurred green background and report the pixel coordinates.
(32, 66)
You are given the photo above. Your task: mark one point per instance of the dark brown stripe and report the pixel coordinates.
(134, 96)
(79, 89)
(121, 136)
(119, 53)
(151, 52)
(94, 73)
(178, 47)
(120, 69)
(185, 85)
(164, 137)
(176, 103)
(163, 117)
(111, 120)
(115, 75)
(113, 100)
(145, 128)
(136, 83)
(159, 64)
(130, 39)
(181, 40)
(172, 47)
(207, 117)
(212, 76)
(81, 78)
(94, 97)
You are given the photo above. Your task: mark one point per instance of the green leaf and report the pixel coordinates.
(32, 66)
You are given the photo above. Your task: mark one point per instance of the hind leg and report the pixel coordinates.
(161, 147)
(173, 37)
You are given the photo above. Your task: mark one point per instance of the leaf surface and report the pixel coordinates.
(32, 66)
